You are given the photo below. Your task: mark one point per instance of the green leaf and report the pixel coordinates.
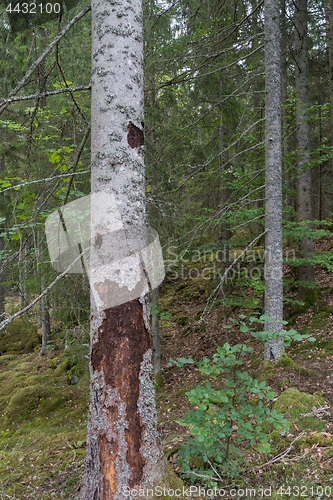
(183, 361)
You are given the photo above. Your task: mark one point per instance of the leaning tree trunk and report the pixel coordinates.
(306, 274)
(123, 450)
(274, 348)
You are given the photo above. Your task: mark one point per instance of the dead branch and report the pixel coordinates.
(281, 455)
(45, 94)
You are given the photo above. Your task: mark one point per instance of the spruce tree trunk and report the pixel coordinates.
(304, 182)
(225, 232)
(274, 348)
(123, 450)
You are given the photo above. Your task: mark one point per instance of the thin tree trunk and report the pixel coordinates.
(23, 289)
(155, 330)
(274, 348)
(123, 450)
(319, 166)
(225, 232)
(45, 316)
(306, 273)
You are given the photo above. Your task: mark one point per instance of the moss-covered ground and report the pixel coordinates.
(42, 427)
(44, 399)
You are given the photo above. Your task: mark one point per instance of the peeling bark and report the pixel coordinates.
(123, 447)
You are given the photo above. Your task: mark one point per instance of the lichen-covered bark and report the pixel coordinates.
(123, 448)
(273, 243)
(304, 181)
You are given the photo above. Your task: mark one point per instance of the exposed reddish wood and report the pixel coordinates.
(122, 340)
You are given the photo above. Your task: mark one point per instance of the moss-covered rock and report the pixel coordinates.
(62, 368)
(24, 401)
(290, 366)
(295, 402)
(6, 358)
(19, 336)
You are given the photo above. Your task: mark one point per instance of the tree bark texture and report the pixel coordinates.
(123, 448)
(273, 159)
(304, 181)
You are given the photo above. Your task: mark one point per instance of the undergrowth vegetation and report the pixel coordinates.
(227, 417)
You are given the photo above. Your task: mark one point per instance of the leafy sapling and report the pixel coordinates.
(287, 335)
(229, 415)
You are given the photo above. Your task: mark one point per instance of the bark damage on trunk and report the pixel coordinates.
(123, 450)
(126, 447)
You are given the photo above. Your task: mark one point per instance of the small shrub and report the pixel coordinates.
(226, 418)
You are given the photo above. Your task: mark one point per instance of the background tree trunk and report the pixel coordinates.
(304, 181)
(274, 348)
(329, 17)
(158, 377)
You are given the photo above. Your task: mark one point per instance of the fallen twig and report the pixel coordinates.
(280, 455)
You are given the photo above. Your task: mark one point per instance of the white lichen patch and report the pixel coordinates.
(118, 282)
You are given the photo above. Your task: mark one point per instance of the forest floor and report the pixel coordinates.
(43, 416)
